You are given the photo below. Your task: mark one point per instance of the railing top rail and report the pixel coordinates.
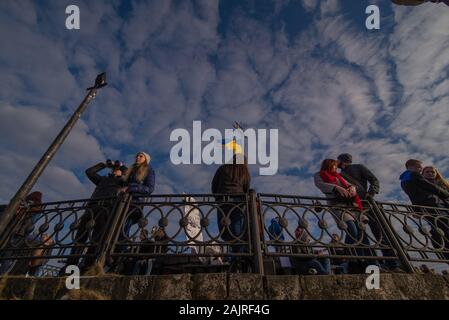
(72, 201)
(211, 195)
(291, 196)
(203, 195)
(399, 204)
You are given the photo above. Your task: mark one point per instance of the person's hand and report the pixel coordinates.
(123, 190)
(342, 192)
(352, 191)
(364, 219)
(370, 195)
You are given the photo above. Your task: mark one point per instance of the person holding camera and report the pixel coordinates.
(98, 209)
(109, 185)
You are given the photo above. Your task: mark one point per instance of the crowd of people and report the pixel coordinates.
(345, 184)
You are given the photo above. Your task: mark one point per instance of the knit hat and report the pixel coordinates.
(147, 156)
(345, 157)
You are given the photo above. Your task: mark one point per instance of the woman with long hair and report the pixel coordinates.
(139, 181)
(343, 194)
(432, 174)
(140, 178)
(232, 179)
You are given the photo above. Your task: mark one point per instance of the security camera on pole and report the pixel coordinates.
(26, 187)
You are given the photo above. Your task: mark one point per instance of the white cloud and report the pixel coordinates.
(334, 88)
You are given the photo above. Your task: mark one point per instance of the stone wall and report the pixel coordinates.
(229, 286)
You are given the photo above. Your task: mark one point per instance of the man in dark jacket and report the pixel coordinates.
(424, 193)
(106, 186)
(420, 191)
(359, 175)
(98, 211)
(367, 187)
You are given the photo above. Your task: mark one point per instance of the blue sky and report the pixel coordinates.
(309, 68)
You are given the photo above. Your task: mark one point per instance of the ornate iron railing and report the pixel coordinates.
(72, 230)
(423, 232)
(184, 233)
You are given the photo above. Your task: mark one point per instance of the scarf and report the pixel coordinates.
(334, 178)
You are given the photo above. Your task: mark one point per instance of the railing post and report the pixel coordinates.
(255, 232)
(120, 208)
(12, 227)
(391, 235)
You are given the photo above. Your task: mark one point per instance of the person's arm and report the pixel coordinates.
(92, 172)
(326, 188)
(430, 187)
(352, 182)
(247, 185)
(215, 181)
(145, 188)
(374, 186)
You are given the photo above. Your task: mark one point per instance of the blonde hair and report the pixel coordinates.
(439, 178)
(140, 170)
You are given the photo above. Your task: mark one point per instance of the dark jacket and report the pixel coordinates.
(420, 191)
(360, 176)
(107, 186)
(275, 231)
(222, 183)
(144, 188)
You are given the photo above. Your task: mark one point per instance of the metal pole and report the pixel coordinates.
(402, 255)
(113, 230)
(26, 187)
(255, 230)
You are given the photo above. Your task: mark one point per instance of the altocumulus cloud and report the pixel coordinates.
(306, 67)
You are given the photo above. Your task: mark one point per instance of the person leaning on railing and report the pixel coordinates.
(139, 181)
(425, 193)
(105, 186)
(343, 194)
(433, 175)
(367, 186)
(27, 214)
(35, 265)
(232, 178)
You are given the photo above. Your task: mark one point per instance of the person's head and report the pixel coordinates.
(46, 238)
(336, 237)
(429, 172)
(142, 158)
(299, 231)
(432, 173)
(344, 160)
(143, 235)
(34, 198)
(414, 165)
(140, 167)
(329, 165)
(117, 172)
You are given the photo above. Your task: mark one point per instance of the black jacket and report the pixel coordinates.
(420, 191)
(107, 186)
(360, 176)
(222, 183)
